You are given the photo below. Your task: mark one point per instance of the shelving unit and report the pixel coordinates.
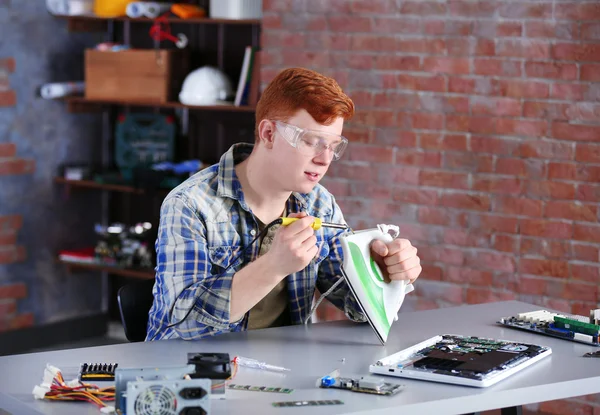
(204, 132)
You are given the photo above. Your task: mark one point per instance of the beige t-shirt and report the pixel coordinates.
(273, 309)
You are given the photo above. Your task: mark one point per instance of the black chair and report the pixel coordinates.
(135, 300)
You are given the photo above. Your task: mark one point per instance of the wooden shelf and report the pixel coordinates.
(125, 272)
(174, 20)
(90, 184)
(79, 104)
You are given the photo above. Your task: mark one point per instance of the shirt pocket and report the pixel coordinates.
(222, 257)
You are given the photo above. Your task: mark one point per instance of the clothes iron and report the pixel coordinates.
(379, 300)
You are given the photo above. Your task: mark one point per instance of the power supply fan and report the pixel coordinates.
(156, 400)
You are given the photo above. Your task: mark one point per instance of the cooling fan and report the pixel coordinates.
(169, 397)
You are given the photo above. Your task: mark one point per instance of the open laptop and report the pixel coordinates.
(461, 360)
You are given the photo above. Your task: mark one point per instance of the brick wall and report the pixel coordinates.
(36, 137)
(477, 131)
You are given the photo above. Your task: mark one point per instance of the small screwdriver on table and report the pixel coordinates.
(317, 224)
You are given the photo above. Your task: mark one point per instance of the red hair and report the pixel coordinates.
(294, 89)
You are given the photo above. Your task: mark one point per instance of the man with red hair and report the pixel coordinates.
(222, 265)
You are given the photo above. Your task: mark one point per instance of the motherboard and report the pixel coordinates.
(576, 328)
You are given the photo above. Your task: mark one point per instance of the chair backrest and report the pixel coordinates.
(135, 300)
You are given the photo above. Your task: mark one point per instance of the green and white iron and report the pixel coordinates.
(379, 300)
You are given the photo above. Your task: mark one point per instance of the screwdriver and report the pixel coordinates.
(317, 224)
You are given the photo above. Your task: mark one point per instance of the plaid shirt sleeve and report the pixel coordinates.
(185, 279)
(330, 272)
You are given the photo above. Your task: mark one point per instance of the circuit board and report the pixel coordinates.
(466, 360)
(364, 384)
(564, 326)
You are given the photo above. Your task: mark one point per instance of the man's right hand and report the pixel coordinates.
(294, 245)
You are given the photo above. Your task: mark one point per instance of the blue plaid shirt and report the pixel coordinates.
(205, 224)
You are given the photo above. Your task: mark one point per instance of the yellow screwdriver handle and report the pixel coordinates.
(287, 221)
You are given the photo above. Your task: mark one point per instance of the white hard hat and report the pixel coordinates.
(205, 86)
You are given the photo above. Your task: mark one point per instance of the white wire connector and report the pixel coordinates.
(40, 391)
(107, 410)
(392, 230)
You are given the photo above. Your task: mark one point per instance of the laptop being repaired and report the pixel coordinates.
(461, 360)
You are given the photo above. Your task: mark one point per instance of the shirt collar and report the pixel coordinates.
(229, 184)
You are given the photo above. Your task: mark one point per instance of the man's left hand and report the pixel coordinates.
(398, 259)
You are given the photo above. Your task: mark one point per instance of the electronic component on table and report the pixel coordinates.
(364, 384)
(183, 397)
(97, 371)
(592, 354)
(461, 360)
(572, 327)
(259, 388)
(307, 403)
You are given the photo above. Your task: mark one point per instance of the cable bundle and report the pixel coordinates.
(54, 387)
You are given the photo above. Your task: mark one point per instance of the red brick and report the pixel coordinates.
(551, 189)
(531, 285)
(506, 243)
(369, 190)
(431, 272)
(548, 268)
(375, 118)
(546, 110)
(338, 187)
(354, 207)
(580, 291)
(7, 307)
(588, 173)
(11, 254)
(583, 309)
(526, 168)
(493, 223)
(399, 63)
(462, 47)
(485, 295)
(547, 149)
(309, 58)
(576, 52)
(442, 104)
(584, 252)
(523, 89)
(7, 64)
(545, 247)
(444, 179)
(518, 206)
(485, 47)
(447, 65)
(571, 210)
(423, 8)
(395, 24)
(496, 67)
(349, 24)
(586, 232)
(468, 201)
(8, 238)
(21, 321)
(425, 121)
(590, 31)
(434, 216)
(588, 192)
(546, 229)
(552, 70)
(578, 132)
(447, 255)
(396, 138)
(372, 7)
(435, 290)
(496, 146)
(569, 92)
(523, 48)
(585, 272)
(8, 98)
(526, 128)
(465, 123)
(7, 150)
(495, 106)
(588, 153)
(372, 154)
(452, 142)
(424, 45)
(417, 196)
(13, 291)
(419, 158)
(436, 83)
(368, 42)
(394, 100)
(590, 72)
(552, 29)
(465, 8)
(468, 276)
(352, 170)
(565, 171)
(576, 10)
(463, 237)
(470, 162)
(520, 10)
(510, 29)
(401, 174)
(10, 223)
(511, 185)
